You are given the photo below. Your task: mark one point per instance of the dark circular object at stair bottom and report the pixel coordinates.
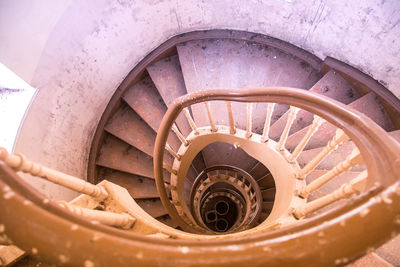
(221, 207)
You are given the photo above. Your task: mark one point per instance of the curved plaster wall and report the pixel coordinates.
(94, 46)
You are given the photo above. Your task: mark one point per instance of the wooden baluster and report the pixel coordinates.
(292, 115)
(249, 124)
(18, 162)
(232, 129)
(346, 190)
(339, 138)
(180, 135)
(124, 220)
(352, 160)
(210, 117)
(191, 121)
(169, 168)
(311, 130)
(170, 186)
(172, 152)
(270, 110)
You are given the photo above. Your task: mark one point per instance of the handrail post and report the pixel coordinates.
(270, 110)
(232, 129)
(210, 117)
(292, 115)
(249, 120)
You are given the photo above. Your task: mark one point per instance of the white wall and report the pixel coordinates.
(25, 26)
(94, 46)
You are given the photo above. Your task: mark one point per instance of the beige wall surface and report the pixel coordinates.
(25, 26)
(95, 44)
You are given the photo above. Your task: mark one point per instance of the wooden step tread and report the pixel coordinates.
(367, 104)
(137, 186)
(330, 186)
(145, 100)
(127, 125)
(235, 64)
(168, 79)
(331, 85)
(334, 158)
(118, 155)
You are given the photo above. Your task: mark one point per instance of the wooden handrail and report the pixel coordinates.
(363, 131)
(20, 163)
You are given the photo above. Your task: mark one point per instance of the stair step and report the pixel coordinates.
(127, 125)
(118, 155)
(390, 251)
(167, 77)
(145, 100)
(154, 207)
(258, 171)
(330, 186)
(334, 158)
(367, 104)
(137, 186)
(166, 219)
(235, 64)
(223, 153)
(267, 181)
(331, 85)
(268, 194)
(370, 260)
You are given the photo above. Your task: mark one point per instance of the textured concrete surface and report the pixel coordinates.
(94, 46)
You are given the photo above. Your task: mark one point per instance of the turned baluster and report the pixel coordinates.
(352, 160)
(232, 129)
(180, 135)
(270, 110)
(210, 117)
(191, 121)
(339, 138)
(172, 152)
(345, 191)
(249, 120)
(18, 162)
(292, 115)
(311, 130)
(124, 220)
(169, 168)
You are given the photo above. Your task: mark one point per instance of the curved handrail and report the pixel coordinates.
(379, 151)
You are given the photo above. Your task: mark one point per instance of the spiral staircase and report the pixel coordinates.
(225, 147)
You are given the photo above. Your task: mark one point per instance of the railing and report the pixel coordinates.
(375, 211)
(350, 125)
(19, 162)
